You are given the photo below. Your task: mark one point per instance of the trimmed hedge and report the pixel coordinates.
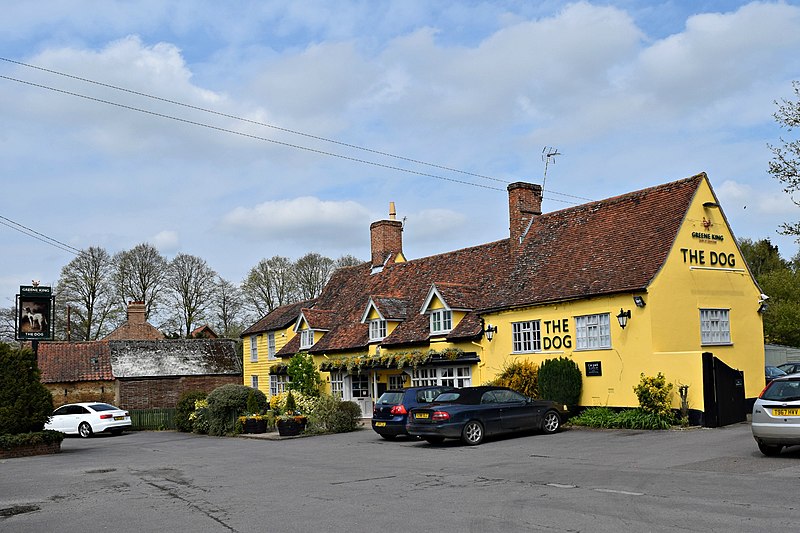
(560, 380)
(227, 403)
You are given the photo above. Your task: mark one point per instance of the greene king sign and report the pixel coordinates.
(34, 313)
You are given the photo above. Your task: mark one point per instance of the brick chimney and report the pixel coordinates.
(136, 312)
(524, 204)
(386, 237)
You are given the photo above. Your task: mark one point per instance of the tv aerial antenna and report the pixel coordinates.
(548, 155)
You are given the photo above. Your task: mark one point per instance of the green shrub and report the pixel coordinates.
(560, 381)
(185, 407)
(603, 417)
(520, 375)
(8, 442)
(655, 395)
(347, 417)
(596, 417)
(25, 404)
(199, 417)
(303, 374)
(321, 418)
(226, 404)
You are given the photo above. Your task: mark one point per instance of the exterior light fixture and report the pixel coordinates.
(623, 317)
(639, 301)
(490, 331)
(710, 204)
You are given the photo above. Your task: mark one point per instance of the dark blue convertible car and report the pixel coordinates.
(473, 413)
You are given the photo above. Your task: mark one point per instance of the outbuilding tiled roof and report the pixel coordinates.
(603, 247)
(64, 362)
(178, 357)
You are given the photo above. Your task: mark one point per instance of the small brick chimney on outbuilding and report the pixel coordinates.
(524, 204)
(136, 327)
(386, 238)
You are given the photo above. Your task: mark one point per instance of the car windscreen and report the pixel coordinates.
(782, 391)
(102, 407)
(392, 398)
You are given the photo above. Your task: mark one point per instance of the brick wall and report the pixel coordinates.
(33, 449)
(164, 393)
(83, 391)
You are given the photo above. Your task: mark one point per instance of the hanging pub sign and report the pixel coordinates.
(34, 313)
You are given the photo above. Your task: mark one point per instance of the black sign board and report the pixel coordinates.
(34, 313)
(594, 368)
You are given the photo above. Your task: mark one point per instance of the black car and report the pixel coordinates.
(391, 410)
(473, 413)
(790, 368)
(772, 372)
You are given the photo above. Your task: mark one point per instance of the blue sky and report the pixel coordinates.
(631, 93)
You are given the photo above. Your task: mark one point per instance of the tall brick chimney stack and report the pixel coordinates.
(136, 313)
(386, 237)
(524, 204)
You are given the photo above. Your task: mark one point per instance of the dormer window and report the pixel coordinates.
(306, 338)
(377, 330)
(441, 321)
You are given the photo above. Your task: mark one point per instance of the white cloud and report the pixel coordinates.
(166, 242)
(304, 219)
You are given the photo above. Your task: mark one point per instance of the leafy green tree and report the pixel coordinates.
(761, 256)
(304, 375)
(25, 404)
(782, 316)
(785, 164)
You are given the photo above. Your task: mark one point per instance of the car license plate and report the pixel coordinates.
(421, 415)
(119, 418)
(785, 412)
(380, 424)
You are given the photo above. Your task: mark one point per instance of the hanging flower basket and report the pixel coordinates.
(291, 426)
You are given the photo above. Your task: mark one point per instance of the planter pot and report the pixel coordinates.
(254, 426)
(291, 427)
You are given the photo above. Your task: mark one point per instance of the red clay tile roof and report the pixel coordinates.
(604, 247)
(391, 308)
(280, 318)
(74, 361)
(321, 319)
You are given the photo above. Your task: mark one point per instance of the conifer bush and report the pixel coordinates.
(25, 404)
(560, 380)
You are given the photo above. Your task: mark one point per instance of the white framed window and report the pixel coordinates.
(526, 336)
(448, 376)
(456, 376)
(441, 321)
(337, 384)
(377, 330)
(277, 384)
(359, 386)
(397, 382)
(254, 381)
(271, 345)
(715, 326)
(254, 349)
(593, 332)
(306, 338)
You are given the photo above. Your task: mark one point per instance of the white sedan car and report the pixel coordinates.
(776, 415)
(87, 418)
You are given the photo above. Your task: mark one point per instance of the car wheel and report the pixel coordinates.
(472, 434)
(435, 440)
(770, 450)
(85, 430)
(551, 422)
(387, 437)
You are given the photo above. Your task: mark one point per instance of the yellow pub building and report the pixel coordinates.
(647, 282)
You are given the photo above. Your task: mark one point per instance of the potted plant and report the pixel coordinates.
(254, 421)
(290, 422)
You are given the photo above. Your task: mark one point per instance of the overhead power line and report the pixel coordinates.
(37, 235)
(263, 124)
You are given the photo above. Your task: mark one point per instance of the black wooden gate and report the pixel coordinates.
(723, 393)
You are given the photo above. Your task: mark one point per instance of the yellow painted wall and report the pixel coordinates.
(261, 367)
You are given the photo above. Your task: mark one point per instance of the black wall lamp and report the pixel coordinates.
(623, 317)
(490, 331)
(639, 301)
